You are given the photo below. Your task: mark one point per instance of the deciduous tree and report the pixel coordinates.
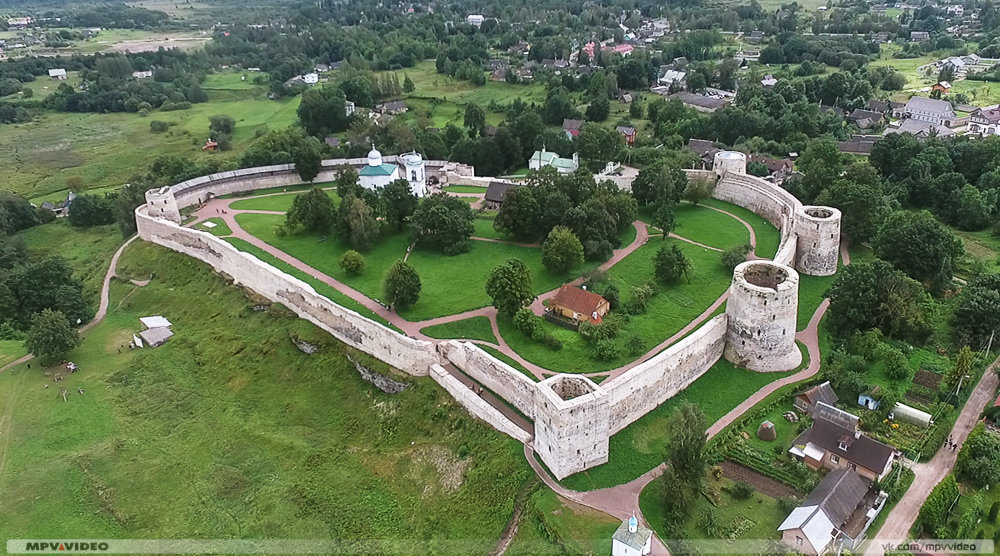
(50, 335)
(562, 250)
(402, 285)
(509, 285)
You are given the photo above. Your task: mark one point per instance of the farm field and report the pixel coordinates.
(107, 150)
(156, 447)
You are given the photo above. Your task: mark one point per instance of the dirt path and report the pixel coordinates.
(904, 515)
(102, 308)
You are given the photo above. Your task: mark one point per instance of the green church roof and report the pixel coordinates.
(383, 170)
(544, 157)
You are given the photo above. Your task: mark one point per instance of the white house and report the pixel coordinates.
(377, 174)
(476, 20)
(310, 78)
(631, 540)
(768, 81)
(58, 74)
(985, 121)
(142, 74)
(349, 108)
(543, 158)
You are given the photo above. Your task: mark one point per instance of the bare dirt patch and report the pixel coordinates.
(450, 469)
(765, 485)
(154, 43)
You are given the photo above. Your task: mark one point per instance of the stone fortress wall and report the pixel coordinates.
(574, 418)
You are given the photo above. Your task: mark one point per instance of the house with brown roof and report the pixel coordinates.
(778, 168)
(985, 121)
(705, 150)
(572, 127)
(806, 401)
(579, 305)
(831, 445)
(628, 132)
(835, 516)
(393, 107)
(495, 193)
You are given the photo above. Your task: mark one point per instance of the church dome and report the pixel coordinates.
(413, 158)
(374, 157)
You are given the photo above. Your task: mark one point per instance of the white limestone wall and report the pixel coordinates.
(477, 406)
(412, 356)
(644, 387)
(760, 196)
(504, 380)
(571, 435)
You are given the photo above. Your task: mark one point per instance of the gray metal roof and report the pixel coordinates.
(930, 105)
(838, 494)
(635, 540)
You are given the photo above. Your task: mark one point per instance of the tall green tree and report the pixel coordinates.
(322, 111)
(91, 210)
(858, 194)
(917, 244)
(402, 285)
(978, 314)
(364, 228)
(562, 250)
(308, 158)
(347, 182)
(686, 446)
(50, 335)
(400, 203)
(475, 120)
(872, 294)
(312, 211)
(934, 512)
(519, 214)
(509, 285)
(443, 223)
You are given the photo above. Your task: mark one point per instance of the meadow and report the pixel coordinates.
(108, 150)
(228, 431)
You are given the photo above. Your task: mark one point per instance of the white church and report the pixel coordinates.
(377, 173)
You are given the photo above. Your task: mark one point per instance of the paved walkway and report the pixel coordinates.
(102, 308)
(902, 517)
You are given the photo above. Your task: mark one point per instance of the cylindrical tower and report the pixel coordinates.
(413, 163)
(762, 309)
(161, 204)
(818, 246)
(732, 162)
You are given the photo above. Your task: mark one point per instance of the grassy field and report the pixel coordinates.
(43, 86)
(812, 290)
(279, 203)
(982, 246)
(228, 431)
(107, 150)
(476, 328)
(450, 284)
(11, 350)
(88, 250)
(465, 189)
(768, 237)
(640, 446)
(221, 229)
(576, 529)
(709, 227)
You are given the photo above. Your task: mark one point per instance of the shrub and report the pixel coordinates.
(787, 505)
(733, 256)
(639, 298)
(605, 349)
(553, 343)
(742, 490)
(158, 126)
(352, 262)
(994, 509)
(529, 323)
(635, 346)
(44, 215)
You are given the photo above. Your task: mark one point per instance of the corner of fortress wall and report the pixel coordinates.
(574, 417)
(412, 356)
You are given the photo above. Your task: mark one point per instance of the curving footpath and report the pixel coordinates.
(102, 308)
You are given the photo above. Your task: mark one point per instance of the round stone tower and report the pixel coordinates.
(162, 204)
(762, 309)
(733, 162)
(818, 247)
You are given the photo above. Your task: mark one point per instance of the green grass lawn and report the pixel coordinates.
(321, 288)
(221, 229)
(709, 227)
(475, 328)
(450, 285)
(44, 86)
(668, 311)
(812, 290)
(768, 237)
(88, 250)
(465, 189)
(641, 446)
(281, 203)
(484, 228)
(982, 246)
(107, 150)
(228, 431)
(980, 93)
(758, 516)
(11, 350)
(575, 529)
